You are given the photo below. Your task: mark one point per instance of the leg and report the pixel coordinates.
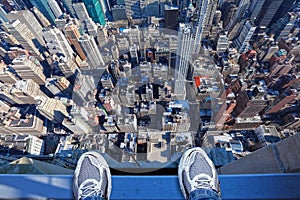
(198, 178)
(92, 178)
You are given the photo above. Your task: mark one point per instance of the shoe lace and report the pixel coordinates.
(90, 189)
(203, 182)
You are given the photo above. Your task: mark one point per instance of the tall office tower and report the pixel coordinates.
(73, 35)
(44, 7)
(152, 8)
(183, 8)
(25, 37)
(133, 9)
(57, 43)
(77, 126)
(78, 122)
(248, 105)
(184, 50)
(67, 66)
(81, 11)
(68, 7)
(268, 11)
(287, 24)
(210, 13)
(23, 92)
(212, 8)
(94, 57)
(26, 17)
(55, 8)
(3, 14)
(201, 22)
(26, 90)
(40, 17)
(255, 8)
(228, 11)
(106, 8)
(171, 17)
(29, 68)
(118, 12)
(286, 6)
(241, 11)
(242, 41)
(95, 11)
(7, 75)
(52, 109)
(86, 22)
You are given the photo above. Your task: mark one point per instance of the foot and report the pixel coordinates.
(196, 171)
(91, 177)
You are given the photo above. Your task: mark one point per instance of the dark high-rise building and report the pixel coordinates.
(228, 11)
(268, 11)
(248, 104)
(171, 17)
(44, 7)
(68, 6)
(285, 7)
(119, 12)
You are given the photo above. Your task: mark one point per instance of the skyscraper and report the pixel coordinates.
(68, 6)
(3, 14)
(28, 68)
(201, 22)
(184, 50)
(119, 12)
(106, 7)
(52, 109)
(55, 8)
(241, 10)
(255, 8)
(22, 33)
(95, 11)
(242, 41)
(81, 11)
(73, 36)
(133, 9)
(44, 7)
(26, 17)
(268, 11)
(57, 43)
(87, 22)
(40, 17)
(94, 57)
(26, 90)
(171, 17)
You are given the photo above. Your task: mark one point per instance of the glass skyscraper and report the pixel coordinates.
(95, 11)
(43, 6)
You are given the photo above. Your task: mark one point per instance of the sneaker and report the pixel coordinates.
(91, 177)
(196, 171)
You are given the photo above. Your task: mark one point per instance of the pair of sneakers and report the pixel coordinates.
(92, 178)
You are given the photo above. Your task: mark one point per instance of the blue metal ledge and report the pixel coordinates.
(257, 186)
